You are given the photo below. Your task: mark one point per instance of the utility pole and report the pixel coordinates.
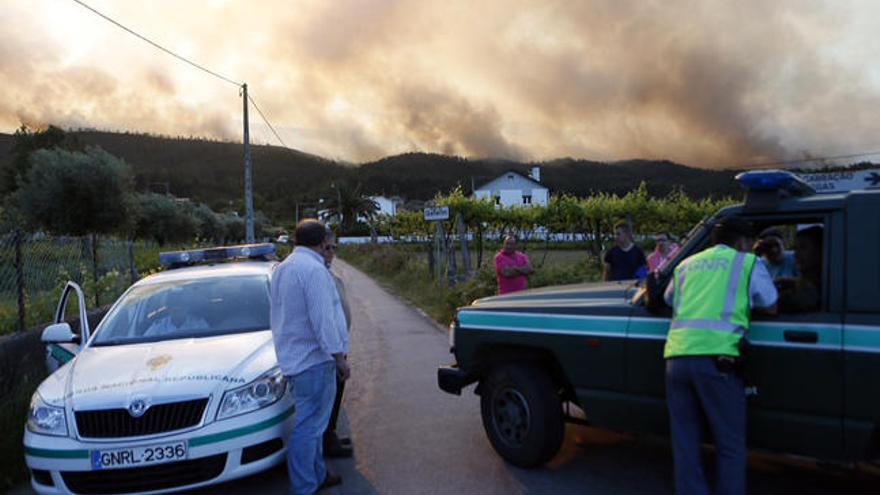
(248, 186)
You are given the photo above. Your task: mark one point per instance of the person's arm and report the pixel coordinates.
(503, 269)
(342, 369)
(669, 293)
(343, 298)
(525, 268)
(763, 295)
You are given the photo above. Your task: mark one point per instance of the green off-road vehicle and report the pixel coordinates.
(816, 373)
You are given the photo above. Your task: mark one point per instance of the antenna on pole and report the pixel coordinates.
(248, 185)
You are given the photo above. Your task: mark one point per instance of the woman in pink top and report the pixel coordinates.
(511, 267)
(664, 250)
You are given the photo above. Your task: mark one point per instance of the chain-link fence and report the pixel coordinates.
(34, 268)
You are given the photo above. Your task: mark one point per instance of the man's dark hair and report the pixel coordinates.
(771, 232)
(310, 233)
(730, 230)
(623, 224)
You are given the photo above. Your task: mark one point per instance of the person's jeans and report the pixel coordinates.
(313, 391)
(695, 389)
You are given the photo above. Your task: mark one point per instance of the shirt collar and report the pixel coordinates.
(309, 252)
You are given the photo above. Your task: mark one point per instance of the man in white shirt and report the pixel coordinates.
(308, 329)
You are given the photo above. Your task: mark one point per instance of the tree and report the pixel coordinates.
(210, 225)
(233, 226)
(26, 141)
(346, 203)
(77, 193)
(163, 219)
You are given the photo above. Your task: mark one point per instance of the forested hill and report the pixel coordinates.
(419, 175)
(211, 172)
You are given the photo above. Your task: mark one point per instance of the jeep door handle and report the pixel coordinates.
(801, 336)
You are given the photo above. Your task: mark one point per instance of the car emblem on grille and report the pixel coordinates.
(137, 408)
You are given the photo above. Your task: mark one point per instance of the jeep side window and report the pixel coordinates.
(797, 272)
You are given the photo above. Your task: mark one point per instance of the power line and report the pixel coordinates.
(817, 159)
(169, 52)
(267, 122)
(190, 62)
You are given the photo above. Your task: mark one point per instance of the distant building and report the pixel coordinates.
(387, 206)
(515, 189)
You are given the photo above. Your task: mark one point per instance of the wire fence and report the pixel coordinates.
(34, 268)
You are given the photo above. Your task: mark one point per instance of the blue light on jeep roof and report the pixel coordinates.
(774, 180)
(216, 254)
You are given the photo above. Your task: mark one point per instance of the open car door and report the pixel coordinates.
(69, 330)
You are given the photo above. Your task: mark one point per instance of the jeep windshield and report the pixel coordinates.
(187, 309)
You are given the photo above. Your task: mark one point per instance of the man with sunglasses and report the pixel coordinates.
(333, 445)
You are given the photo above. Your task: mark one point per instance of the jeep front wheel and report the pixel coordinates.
(522, 414)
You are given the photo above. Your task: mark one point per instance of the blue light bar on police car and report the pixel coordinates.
(774, 180)
(216, 254)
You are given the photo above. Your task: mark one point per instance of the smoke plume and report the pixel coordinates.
(706, 83)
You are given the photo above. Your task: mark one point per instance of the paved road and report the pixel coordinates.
(411, 438)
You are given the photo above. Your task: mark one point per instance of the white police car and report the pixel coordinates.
(177, 387)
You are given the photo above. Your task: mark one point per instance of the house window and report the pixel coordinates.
(497, 200)
(509, 176)
(527, 199)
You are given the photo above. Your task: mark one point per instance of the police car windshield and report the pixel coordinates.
(186, 309)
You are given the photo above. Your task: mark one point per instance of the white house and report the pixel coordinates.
(387, 206)
(514, 189)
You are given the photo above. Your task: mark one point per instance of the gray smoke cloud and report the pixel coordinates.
(710, 83)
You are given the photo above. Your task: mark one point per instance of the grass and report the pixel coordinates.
(403, 269)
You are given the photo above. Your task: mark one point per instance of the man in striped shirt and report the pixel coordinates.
(308, 329)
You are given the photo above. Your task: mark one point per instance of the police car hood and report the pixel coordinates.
(113, 376)
(598, 297)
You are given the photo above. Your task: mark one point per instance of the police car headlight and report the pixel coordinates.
(46, 419)
(262, 392)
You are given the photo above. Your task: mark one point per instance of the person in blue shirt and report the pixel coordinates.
(771, 248)
(311, 342)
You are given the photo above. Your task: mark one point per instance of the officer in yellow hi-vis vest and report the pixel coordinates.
(712, 294)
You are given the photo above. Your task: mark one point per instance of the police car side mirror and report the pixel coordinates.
(58, 333)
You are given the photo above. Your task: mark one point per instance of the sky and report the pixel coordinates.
(707, 83)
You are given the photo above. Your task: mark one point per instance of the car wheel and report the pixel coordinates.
(522, 414)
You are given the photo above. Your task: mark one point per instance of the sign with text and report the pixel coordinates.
(437, 214)
(839, 182)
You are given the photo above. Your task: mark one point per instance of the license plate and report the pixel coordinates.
(138, 456)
